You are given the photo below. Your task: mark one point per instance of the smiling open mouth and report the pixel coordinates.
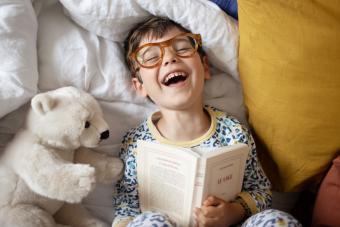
(174, 78)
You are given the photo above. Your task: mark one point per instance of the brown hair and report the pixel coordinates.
(153, 26)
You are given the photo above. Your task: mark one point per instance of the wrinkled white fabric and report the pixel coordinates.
(18, 58)
(109, 19)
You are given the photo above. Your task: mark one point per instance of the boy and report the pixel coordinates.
(169, 67)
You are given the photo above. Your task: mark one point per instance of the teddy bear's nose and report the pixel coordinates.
(104, 135)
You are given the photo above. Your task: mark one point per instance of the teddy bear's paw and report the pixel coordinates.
(95, 223)
(78, 182)
(113, 170)
(100, 225)
(25, 215)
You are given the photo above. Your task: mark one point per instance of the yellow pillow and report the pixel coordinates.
(289, 62)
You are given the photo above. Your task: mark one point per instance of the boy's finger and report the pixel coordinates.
(197, 211)
(209, 211)
(212, 201)
(205, 221)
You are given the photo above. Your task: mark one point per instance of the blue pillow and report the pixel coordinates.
(229, 6)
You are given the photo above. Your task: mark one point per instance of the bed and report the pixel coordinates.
(50, 44)
(286, 54)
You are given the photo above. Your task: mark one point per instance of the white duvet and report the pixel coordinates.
(78, 42)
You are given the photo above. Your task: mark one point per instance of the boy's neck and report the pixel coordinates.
(183, 125)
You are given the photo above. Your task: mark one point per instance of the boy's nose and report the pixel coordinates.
(169, 56)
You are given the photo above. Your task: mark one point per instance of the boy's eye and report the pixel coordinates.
(182, 50)
(150, 54)
(150, 58)
(182, 46)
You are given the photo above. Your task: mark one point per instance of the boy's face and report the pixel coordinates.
(177, 83)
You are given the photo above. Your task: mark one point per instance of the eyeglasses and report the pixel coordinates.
(150, 55)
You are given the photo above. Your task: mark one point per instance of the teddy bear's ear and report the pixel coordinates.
(42, 103)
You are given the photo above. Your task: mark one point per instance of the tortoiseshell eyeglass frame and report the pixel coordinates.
(162, 45)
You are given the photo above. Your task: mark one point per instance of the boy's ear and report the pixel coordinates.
(139, 88)
(207, 74)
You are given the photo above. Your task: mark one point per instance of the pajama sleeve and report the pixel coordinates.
(126, 201)
(256, 189)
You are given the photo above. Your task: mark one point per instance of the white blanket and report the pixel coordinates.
(78, 43)
(18, 65)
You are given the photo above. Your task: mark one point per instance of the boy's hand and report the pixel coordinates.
(217, 212)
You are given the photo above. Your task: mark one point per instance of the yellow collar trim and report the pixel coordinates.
(154, 131)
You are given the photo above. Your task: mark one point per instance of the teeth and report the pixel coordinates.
(172, 75)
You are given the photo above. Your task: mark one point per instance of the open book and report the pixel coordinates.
(175, 180)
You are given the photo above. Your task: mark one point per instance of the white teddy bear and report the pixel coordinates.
(38, 171)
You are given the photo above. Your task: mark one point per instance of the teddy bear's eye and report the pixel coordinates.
(87, 124)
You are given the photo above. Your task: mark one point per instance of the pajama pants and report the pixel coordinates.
(266, 218)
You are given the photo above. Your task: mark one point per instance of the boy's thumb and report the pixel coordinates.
(212, 201)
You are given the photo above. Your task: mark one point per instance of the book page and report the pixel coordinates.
(220, 172)
(198, 187)
(166, 177)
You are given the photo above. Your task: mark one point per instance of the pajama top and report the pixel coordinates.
(224, 130)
